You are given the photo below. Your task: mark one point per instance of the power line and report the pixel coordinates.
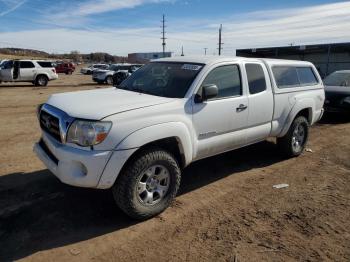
(163, 35)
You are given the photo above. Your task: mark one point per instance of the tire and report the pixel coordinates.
(109, 80)
(293, 143)
(41, 80)
(137, 194)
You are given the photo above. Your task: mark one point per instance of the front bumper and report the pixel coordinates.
(78, 167)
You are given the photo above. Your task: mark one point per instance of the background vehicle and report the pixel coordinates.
(106, 76)
(337, 87)
(138, 137)
(65, 68)
(35, 71)
(89, 70)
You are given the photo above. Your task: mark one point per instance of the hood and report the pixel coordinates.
(97, 104)
(341, 90)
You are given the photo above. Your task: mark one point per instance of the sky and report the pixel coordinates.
(120, 27)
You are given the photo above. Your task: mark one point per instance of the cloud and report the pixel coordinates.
(101, 6)
(305, 25)
(10, 6)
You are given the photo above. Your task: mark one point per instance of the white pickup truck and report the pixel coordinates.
(137, 138)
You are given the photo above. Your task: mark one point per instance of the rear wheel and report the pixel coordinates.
(148, 184)
(41, 80)
(293, 143)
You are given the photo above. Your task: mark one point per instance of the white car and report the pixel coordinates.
(38, 72)
(106, 75)
(89, 70)
(136, 139)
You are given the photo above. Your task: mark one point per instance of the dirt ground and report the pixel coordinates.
(226, 210)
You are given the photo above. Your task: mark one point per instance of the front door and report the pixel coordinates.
(220, 122)
(7, 71)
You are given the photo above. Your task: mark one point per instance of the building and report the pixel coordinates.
(326, 57)
(146, 57)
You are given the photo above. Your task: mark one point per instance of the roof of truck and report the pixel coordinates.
(207, 59)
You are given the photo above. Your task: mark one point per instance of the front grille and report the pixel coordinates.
(50, 124)
(334, 99)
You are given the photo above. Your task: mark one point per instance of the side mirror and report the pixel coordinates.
(208, 92)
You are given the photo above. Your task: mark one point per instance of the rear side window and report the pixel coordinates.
(256, 78)
(292, 76)
(286, 76)
(227, 79)
(306, 76)
(45, 64)
(26, 64)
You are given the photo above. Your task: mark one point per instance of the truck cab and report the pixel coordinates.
(137, 138)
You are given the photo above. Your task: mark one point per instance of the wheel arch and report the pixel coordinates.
(306, 108)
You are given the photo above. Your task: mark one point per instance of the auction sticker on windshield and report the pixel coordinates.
(191, 67)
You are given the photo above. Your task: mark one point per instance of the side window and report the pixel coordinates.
(227, 79)
(45, 64)
(286, 76)
(26, 64)
(256, 78)
(306, 76)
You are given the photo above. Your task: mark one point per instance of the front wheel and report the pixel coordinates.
(293, 143)
(148, 184)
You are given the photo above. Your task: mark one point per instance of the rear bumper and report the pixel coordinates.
(81, 168)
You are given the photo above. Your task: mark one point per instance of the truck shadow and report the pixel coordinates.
(37, 212)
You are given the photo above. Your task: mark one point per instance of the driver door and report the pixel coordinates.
(220, 122)
(6, 72)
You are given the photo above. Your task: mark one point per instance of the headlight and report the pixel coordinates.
(346, 100)
(88, 133)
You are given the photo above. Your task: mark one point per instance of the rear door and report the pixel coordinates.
(261, 102)
(27, 71)
(220, 122)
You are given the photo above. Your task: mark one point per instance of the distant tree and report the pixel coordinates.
(75, 56)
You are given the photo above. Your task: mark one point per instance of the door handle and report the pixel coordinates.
(241, 108)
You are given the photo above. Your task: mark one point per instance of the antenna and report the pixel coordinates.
(220, 42)
(163, 35)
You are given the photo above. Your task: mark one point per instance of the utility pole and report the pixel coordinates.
(163, 35)
(182, 51)
(205, 50)
(220, 42)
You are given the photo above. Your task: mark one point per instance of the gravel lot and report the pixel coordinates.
(226, 210)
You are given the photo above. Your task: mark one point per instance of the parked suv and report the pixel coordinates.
(35, 71)
(106, 75)
(137, 138)
(65, 68)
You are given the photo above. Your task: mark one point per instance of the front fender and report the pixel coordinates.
(153, 133)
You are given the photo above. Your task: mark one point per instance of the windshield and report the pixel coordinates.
(163, 79)
(337, 79)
